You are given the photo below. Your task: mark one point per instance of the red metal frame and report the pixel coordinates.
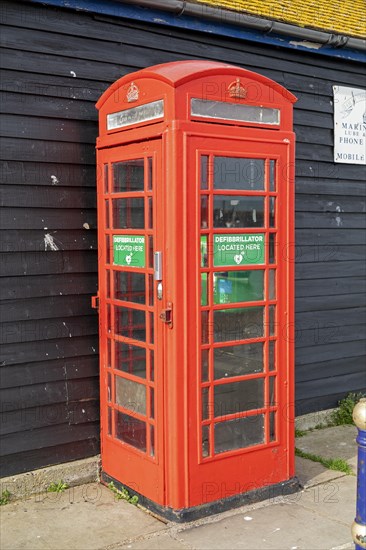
(179, 476)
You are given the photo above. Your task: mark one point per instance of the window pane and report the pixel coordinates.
(204, 364)
(238, 324)
(204, 251)
(128, 214)
(205, 441)
(272, 320)
(149, 173)
(238, 434)
(272, 285)
(272, 212)
(204, 172)
(130, 430)
(272, 356)
(128, 176)
(204, 327)
(238, 286)
(131, 359)
(234, 111)
(272, 426)
(204, 289)
(272, 175)
(129, 286)
(204, 211)
(272, 248)
(238, 360)
(130, 395)
(272, 391)
(238, 173)
(236, 212)
(205, 403)
(239, 396)
(130, 323)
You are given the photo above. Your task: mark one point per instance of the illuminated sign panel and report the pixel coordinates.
(234, 111)
(142, 113)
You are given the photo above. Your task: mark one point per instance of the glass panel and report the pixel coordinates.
(130, 430)
(151, 323)
(109, 353)
(205, 396)
(272, 426)
(272, 391)
(272, 320)
(128, 176)
(238, 286)
(128, 214)
(107, 249)
(150, 213)
(238, 434)
(129, 286)
(151, 290)
(131, 359)
(272, 285)
(204, 172)
(149, 173)
(238, 324)
(205, 327)
(109, 318)
(238, 173)
(152, 441)
(130, 395)
(107, 214)
(272, 175)
(272, 212)
(272, 356)
(205, 441)
(109, 427)
(152, 366)
(239, 396)
(238, 360)
(106, 187)
(136, 115)
(204, 211)
(108, 283)
(204, 365)
(109, 388)
(234, 111)
(272, 248)
(130, 323)
(236, 212)
(204, 251)
(150, 251)
(204, 289)
(152, 403)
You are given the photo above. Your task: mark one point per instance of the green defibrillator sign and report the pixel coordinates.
(238, 249)
(129, 250)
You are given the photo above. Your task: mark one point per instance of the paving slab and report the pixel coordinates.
(84, 517)
(275, 527)
(163, 541)
(311, 473)
(334, 500)
(333, 442)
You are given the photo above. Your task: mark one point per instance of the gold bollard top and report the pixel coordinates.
(359, 414)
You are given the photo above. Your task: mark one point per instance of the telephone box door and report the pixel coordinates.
(244, 277)
(131, 337)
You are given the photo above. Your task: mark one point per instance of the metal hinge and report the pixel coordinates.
(166, 315)
(95, 302)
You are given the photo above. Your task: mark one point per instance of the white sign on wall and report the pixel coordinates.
(349, 125)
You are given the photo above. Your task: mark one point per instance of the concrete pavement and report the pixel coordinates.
(89, 516)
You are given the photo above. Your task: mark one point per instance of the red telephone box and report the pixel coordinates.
(195, 214)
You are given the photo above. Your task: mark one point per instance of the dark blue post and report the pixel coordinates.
(359, 525)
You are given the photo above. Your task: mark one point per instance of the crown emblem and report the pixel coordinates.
(132, 93)
(235, 89)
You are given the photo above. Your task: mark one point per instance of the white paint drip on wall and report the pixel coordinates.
(54, 180)
(49, 243)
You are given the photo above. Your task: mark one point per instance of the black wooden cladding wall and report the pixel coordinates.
(56, 64)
